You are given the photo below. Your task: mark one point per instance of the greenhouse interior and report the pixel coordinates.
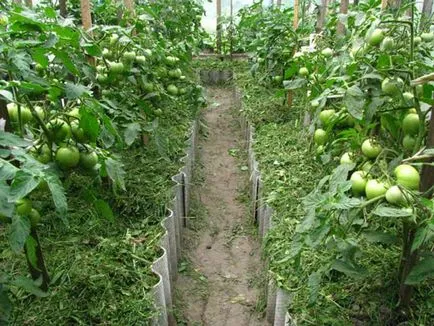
(224, 162)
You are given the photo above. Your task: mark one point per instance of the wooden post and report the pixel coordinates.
(129, 5)
(321, 15)
(86, 19)
(296, 8)
(426, 13)
(340, 29)
(383, 4)
(62, 8)
(29, 3)
(18, 2)
(278, 3)
(219, 27)
(231, 35)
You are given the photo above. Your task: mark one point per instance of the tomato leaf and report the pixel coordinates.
(58, 195)
(131, 133)
(103, 209)
(18, 232)
(5, 305)
(386, 211)
(74, 91)
(354, 101)
(115, 172)
(29, 286)
(423, 270)
(381, 237)
(313, 284)
(22, 185)
(348, 269)
(31, 251)
(7, 95)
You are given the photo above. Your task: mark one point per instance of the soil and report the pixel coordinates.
(220, 277)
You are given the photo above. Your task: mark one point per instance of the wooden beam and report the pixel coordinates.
(426, 13)
(219, 27)
(321, 15)
(343, 9)
(296, 13)
(62, 8)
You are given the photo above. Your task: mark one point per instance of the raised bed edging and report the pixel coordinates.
(277, 299)
(165, 267)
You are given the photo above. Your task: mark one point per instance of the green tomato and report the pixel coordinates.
(40, 112)
(26, 114)
(392, 86)
(327, 52)
(147, 53)
(367, 166)
(172, 90)
(141, 60)
(303, 71)
(107, 54)
(395, 196)
(358, 182)
(35, 218)
(60, 129)
(114, 39)
(43, 154)
(75, 113)
(376, 37)
(427, 37)
(320, 137)
(148, 87)
(182, 91)
(374, 189)
(88, 160)
(129, 56)
(4, 20)
(346, 158)
(327, 116)
(408, 142)
(116, 67)
(314, 103)
(407, 176)
(23, 206)
(417, 40)
(388, 44)
(171, 61)
(277, 79)
(411, 123)
(101, 69)
(370, 148)
(175, 73)
(67, 157)
(77, 132)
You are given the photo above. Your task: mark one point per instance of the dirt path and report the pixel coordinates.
(218, 281)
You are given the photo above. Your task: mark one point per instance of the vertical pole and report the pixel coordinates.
(296, 8)
(321, 16)
(278, 3)
(340, 29)
(62, 8)
(383, 4)
(231, 35)
(29, 3)
(219, 27)
(86, 19)
(426, 13)
(129, 5)
(18, 2)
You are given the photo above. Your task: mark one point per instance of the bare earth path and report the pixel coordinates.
(218, 280)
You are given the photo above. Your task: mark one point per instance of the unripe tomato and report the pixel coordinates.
(395, 196)
(116, 67)
(327, 116)
(114, 39)
(40, 112)
(175, 73)
(417, 40)
(358, 182)
(129, 56)
(327, 52)
(43, 155)
(171, 61)
(141, 59)
(148, 87)
(277, 79)
(370, 148)
(374, 189)
(147, 53)
(172, 90)
(410, 124)
(23, 206)
(303, 71)
(75, 113)
(408, 142)
(107, 54)
(427, 37)
(392, 86)
(376, 37)
(388, 44)
(78, 132)
(407, 176)
(346, 158)
(320, 137)
(67, 157)
(35, 218)
(88, 160)
(320, 150)
(60, 130)
(314, 103)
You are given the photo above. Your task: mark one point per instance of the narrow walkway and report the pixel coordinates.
(220, 277)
